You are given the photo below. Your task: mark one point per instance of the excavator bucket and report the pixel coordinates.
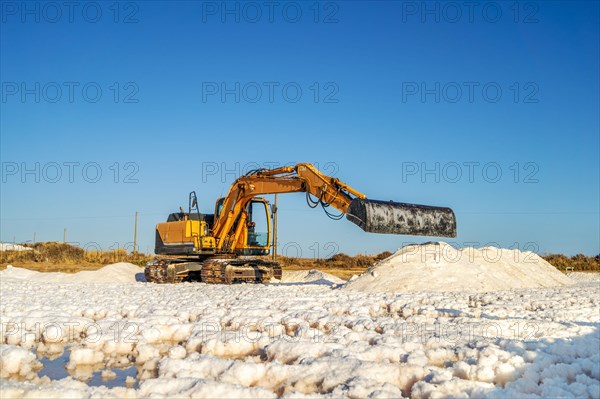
(398, 218)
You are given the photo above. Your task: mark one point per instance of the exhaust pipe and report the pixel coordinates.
(399, 218)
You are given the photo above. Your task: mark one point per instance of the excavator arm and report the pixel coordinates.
(208, 248)
(371, 215)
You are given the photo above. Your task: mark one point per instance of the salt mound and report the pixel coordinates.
(5, 246)
(310, 276)
(437, 266)
(585, 277)
(121, 272)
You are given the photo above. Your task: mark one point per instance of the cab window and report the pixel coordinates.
(258, 225)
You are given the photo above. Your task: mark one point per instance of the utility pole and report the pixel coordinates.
(275, 229)
(65, 235)
(34, 237)
(135, 233)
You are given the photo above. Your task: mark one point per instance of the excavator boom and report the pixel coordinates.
(226, 248)
(372, 216)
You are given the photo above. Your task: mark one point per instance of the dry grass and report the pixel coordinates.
(54, 267)
(579, 263)
(61, 257)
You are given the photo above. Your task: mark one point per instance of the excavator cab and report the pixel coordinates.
(258, 223)
(255, 238)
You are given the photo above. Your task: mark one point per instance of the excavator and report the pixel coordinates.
(229, 246)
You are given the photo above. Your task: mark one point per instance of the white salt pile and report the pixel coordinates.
(585, 277)
(310, 276)
(5, 246)
(437, 266)
(121, 272)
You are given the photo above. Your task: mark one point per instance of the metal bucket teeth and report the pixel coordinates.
(399, 218)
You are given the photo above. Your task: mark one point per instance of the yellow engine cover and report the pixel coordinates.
(186, 231)
(208, 242)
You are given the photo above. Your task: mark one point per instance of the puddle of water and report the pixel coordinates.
(118, 381)
(55, 368)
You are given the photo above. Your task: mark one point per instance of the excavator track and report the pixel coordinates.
(171, 270)
(212, 271)
(239, 270)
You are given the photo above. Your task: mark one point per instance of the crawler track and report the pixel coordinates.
(212, 270)
(230, 271)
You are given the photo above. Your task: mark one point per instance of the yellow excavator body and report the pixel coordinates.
(187, 231)
(226, 246)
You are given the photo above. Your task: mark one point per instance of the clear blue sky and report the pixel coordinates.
(389, 89)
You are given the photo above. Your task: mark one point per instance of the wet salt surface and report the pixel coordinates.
(55, 368)
(268, 341)
(118, 381)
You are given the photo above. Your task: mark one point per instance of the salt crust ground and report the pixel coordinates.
(292, 340)
(261, 341)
